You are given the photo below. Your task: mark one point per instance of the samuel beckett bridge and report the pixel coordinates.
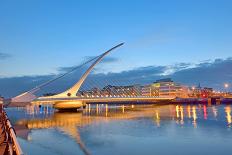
(74, 97)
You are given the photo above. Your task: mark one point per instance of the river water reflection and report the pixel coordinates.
(125, 129)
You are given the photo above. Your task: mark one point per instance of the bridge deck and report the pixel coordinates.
(105, 99)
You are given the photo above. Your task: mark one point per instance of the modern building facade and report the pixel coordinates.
(164, 87)
(167, 87)
(150, 90)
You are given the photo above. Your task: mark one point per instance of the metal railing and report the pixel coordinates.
(12, 145)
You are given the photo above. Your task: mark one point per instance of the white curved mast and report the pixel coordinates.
(71, 92)
(29, 95)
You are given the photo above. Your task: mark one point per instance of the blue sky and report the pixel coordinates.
(41, 37)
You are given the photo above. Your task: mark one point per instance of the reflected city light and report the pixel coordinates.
(205, 111)
(123, 108)
(177, 111)
(89, 107)
(194, 116)
(157, 118)
(228, 115)
(189, 111)
(106, 109)
(214, 110)
(181, 115)
(97, 109)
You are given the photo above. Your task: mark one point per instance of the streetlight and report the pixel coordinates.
(193, 91)
(226, 85)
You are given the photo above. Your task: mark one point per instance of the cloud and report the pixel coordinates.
(4, 56)
(66, 69)
(85, 59)
(176, 67)
(212, 74)
(15, 85)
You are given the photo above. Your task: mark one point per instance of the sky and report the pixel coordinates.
(39, 38)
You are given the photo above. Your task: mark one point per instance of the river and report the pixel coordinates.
(129, 129)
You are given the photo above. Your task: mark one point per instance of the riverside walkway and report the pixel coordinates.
(8, 141)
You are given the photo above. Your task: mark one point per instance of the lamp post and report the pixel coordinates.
(226, 85)
(193, 91)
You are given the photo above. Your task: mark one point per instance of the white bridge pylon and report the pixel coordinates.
(71, 92)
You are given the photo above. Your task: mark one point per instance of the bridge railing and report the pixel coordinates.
(122, 96)
(12, 145)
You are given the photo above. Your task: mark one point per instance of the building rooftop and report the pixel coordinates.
(164, 80)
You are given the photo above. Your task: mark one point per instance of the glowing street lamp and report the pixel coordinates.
(226, 85)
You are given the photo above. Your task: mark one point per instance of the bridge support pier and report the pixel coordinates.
(69, 105)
